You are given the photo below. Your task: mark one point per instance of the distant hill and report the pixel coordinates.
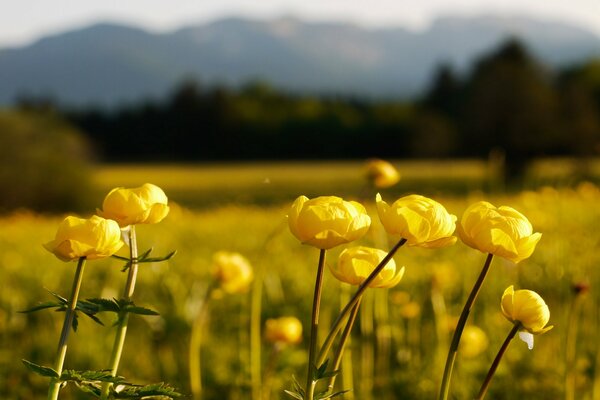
(108, 63)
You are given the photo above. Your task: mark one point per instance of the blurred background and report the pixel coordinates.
(235, 108)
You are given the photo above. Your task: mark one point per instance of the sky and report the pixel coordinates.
(23, 21)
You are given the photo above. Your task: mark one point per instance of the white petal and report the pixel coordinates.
(527, 338)
(125, 234)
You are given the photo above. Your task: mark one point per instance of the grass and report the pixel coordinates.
(246, 214)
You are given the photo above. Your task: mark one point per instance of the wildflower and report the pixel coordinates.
(327, 221)
(284, 330)
(146, 204)
(421, 221)
(91, 238)
(355, 264)
(501, 231)
(381, 174)
(233, 271)
(527, 308)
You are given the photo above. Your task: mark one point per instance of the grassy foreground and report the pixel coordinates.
(400, 355)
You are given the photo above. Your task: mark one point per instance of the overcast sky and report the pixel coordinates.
(22, 21)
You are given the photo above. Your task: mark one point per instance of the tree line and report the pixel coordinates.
(507, 104)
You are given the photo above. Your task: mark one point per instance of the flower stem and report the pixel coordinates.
(119, 342)
(337, 325)
(64, 335)
(196, 345)
(571, 347)
(310, 382)
(344, 339)
(464, 315)
(490, 374)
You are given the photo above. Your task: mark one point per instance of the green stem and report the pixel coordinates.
(337, 325)
(490, 374)
(269, 371)
(255, 334)
(64, 335)
(344, 339)
(310, 382)
(367, 347)
(196, 345)
(119, 342)
(464, 315)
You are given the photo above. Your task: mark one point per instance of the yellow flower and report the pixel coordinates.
(526, 307)
(92, 238)
(421, 221)
(287, 330)
(327, 221)
(381, 173)
(473, 342)
(146, 204)
(501, 231)
(233, 271)
(355, 264)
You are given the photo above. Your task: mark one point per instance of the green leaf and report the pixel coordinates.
(139, 392)
(40, 370)
(158, 259)
(145, 254)
(139, 310)
(294, 394)
(120, 258)
(42, 306)
(325, 396)
(90, 376)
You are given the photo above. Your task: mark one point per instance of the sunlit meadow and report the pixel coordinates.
(401, 338)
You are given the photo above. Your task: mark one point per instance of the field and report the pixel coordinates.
(401, 340)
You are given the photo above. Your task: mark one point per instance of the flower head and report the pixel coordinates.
(327, 221)
(420, 220)
(527, 308)
(233, 271)
(502, 231)
(381, 174)
(355, 264)
(283, 330)
(146, 204)
(92, 238)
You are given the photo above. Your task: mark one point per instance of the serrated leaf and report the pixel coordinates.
(105, 305)
(139, 392)
(140, 310)
(40, 370)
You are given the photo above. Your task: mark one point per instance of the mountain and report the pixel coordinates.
(107, 63)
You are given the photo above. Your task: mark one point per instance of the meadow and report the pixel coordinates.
(401, 340)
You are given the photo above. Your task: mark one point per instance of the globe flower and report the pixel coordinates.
(92, 238)
(327, 221)
(233, 272)
(355, 264)
(283, 330)
(502, 231)
(381, 174)
(421, 221)
(146, 204)
(474, 341)
(527, 308)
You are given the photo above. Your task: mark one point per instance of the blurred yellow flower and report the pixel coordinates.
(502, 231)
(283, 330)
(410, 310)
(526, 307)
(327, 221)
(473, 342)
(381, 174)
(92, 238)
(421, 221)
(146, 204)
(355, 264)
(233, 271)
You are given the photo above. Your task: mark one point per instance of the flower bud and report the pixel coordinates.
(421, 221)
(526, 307)
(146, 204)
(92, 238)
(381, 174)
(327, 221)
(502, 231)
(355, 264)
